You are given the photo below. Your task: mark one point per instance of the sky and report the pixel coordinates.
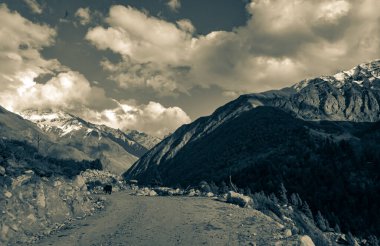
(153, 65)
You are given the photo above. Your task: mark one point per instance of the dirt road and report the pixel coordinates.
(138, 220)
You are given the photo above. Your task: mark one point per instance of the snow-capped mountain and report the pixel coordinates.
(116, 149)
(352, 95)
(319, 137)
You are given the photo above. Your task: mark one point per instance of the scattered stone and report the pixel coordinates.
(287, 233)
(7, 194)
(2, 171)
(20, 180)
(238, 199)
(14, 227)
(152, 193)
(306, 241)
(31, 172)
(191, 192)
(209, 194)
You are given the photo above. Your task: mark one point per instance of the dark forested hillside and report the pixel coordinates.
(334, 166)
(19, 156)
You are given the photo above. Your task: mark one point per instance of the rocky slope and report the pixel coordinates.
(278, 136)
(38, 193)
(116, 149)
(352, 95)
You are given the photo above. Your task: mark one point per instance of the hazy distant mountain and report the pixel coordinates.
(267, 138)
(116, 149)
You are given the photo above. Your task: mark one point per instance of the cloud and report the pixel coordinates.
(144, 38)
(29, 81)
(65, 90)
(154, 52)
(153, 118)
(174, 4)
(159, 77)
(34, 6)
(20, 43)
(282, 42)
(84, 16)
(186, 26)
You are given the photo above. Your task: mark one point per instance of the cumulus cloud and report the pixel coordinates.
(34, 6)
(84, 15)
(159, 77)
(186, 26)
(154, 52)
(20, 43)
(282, 42)
(153, 118)
(174, 4)
(21, 64)
(134, 34)
(22, 70)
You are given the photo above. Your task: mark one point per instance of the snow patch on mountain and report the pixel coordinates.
(117, 149)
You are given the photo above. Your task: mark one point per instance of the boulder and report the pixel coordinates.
(7, 194)
(191, 192)
(2, 171)
(287, 233)
(209, 194)
(21, 180)
(306, 241)
(239, 199)
(80, 182)
(152, 193)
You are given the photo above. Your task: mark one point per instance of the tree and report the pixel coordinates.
(38, 139)
(306, 210)
(373, 241)
(214, 188)
(205, 187)
(299, 200)
(247, 191)
(351, 239)
(337, 229)
(321, 222)
(283, 196)
(223, 188)
(273, 198)
(294, 200)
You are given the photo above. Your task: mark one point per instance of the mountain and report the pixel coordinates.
(14, 127)
(319, 137)
(116, 149)
(352, 95)
(37, 192)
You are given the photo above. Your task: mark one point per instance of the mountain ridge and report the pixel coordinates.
(322, 126)
(115, 148)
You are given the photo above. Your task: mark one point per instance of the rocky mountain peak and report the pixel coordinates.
(364, 75)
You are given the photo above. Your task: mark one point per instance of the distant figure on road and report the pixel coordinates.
(107, 189)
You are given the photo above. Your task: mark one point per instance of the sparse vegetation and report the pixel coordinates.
(18, 156)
